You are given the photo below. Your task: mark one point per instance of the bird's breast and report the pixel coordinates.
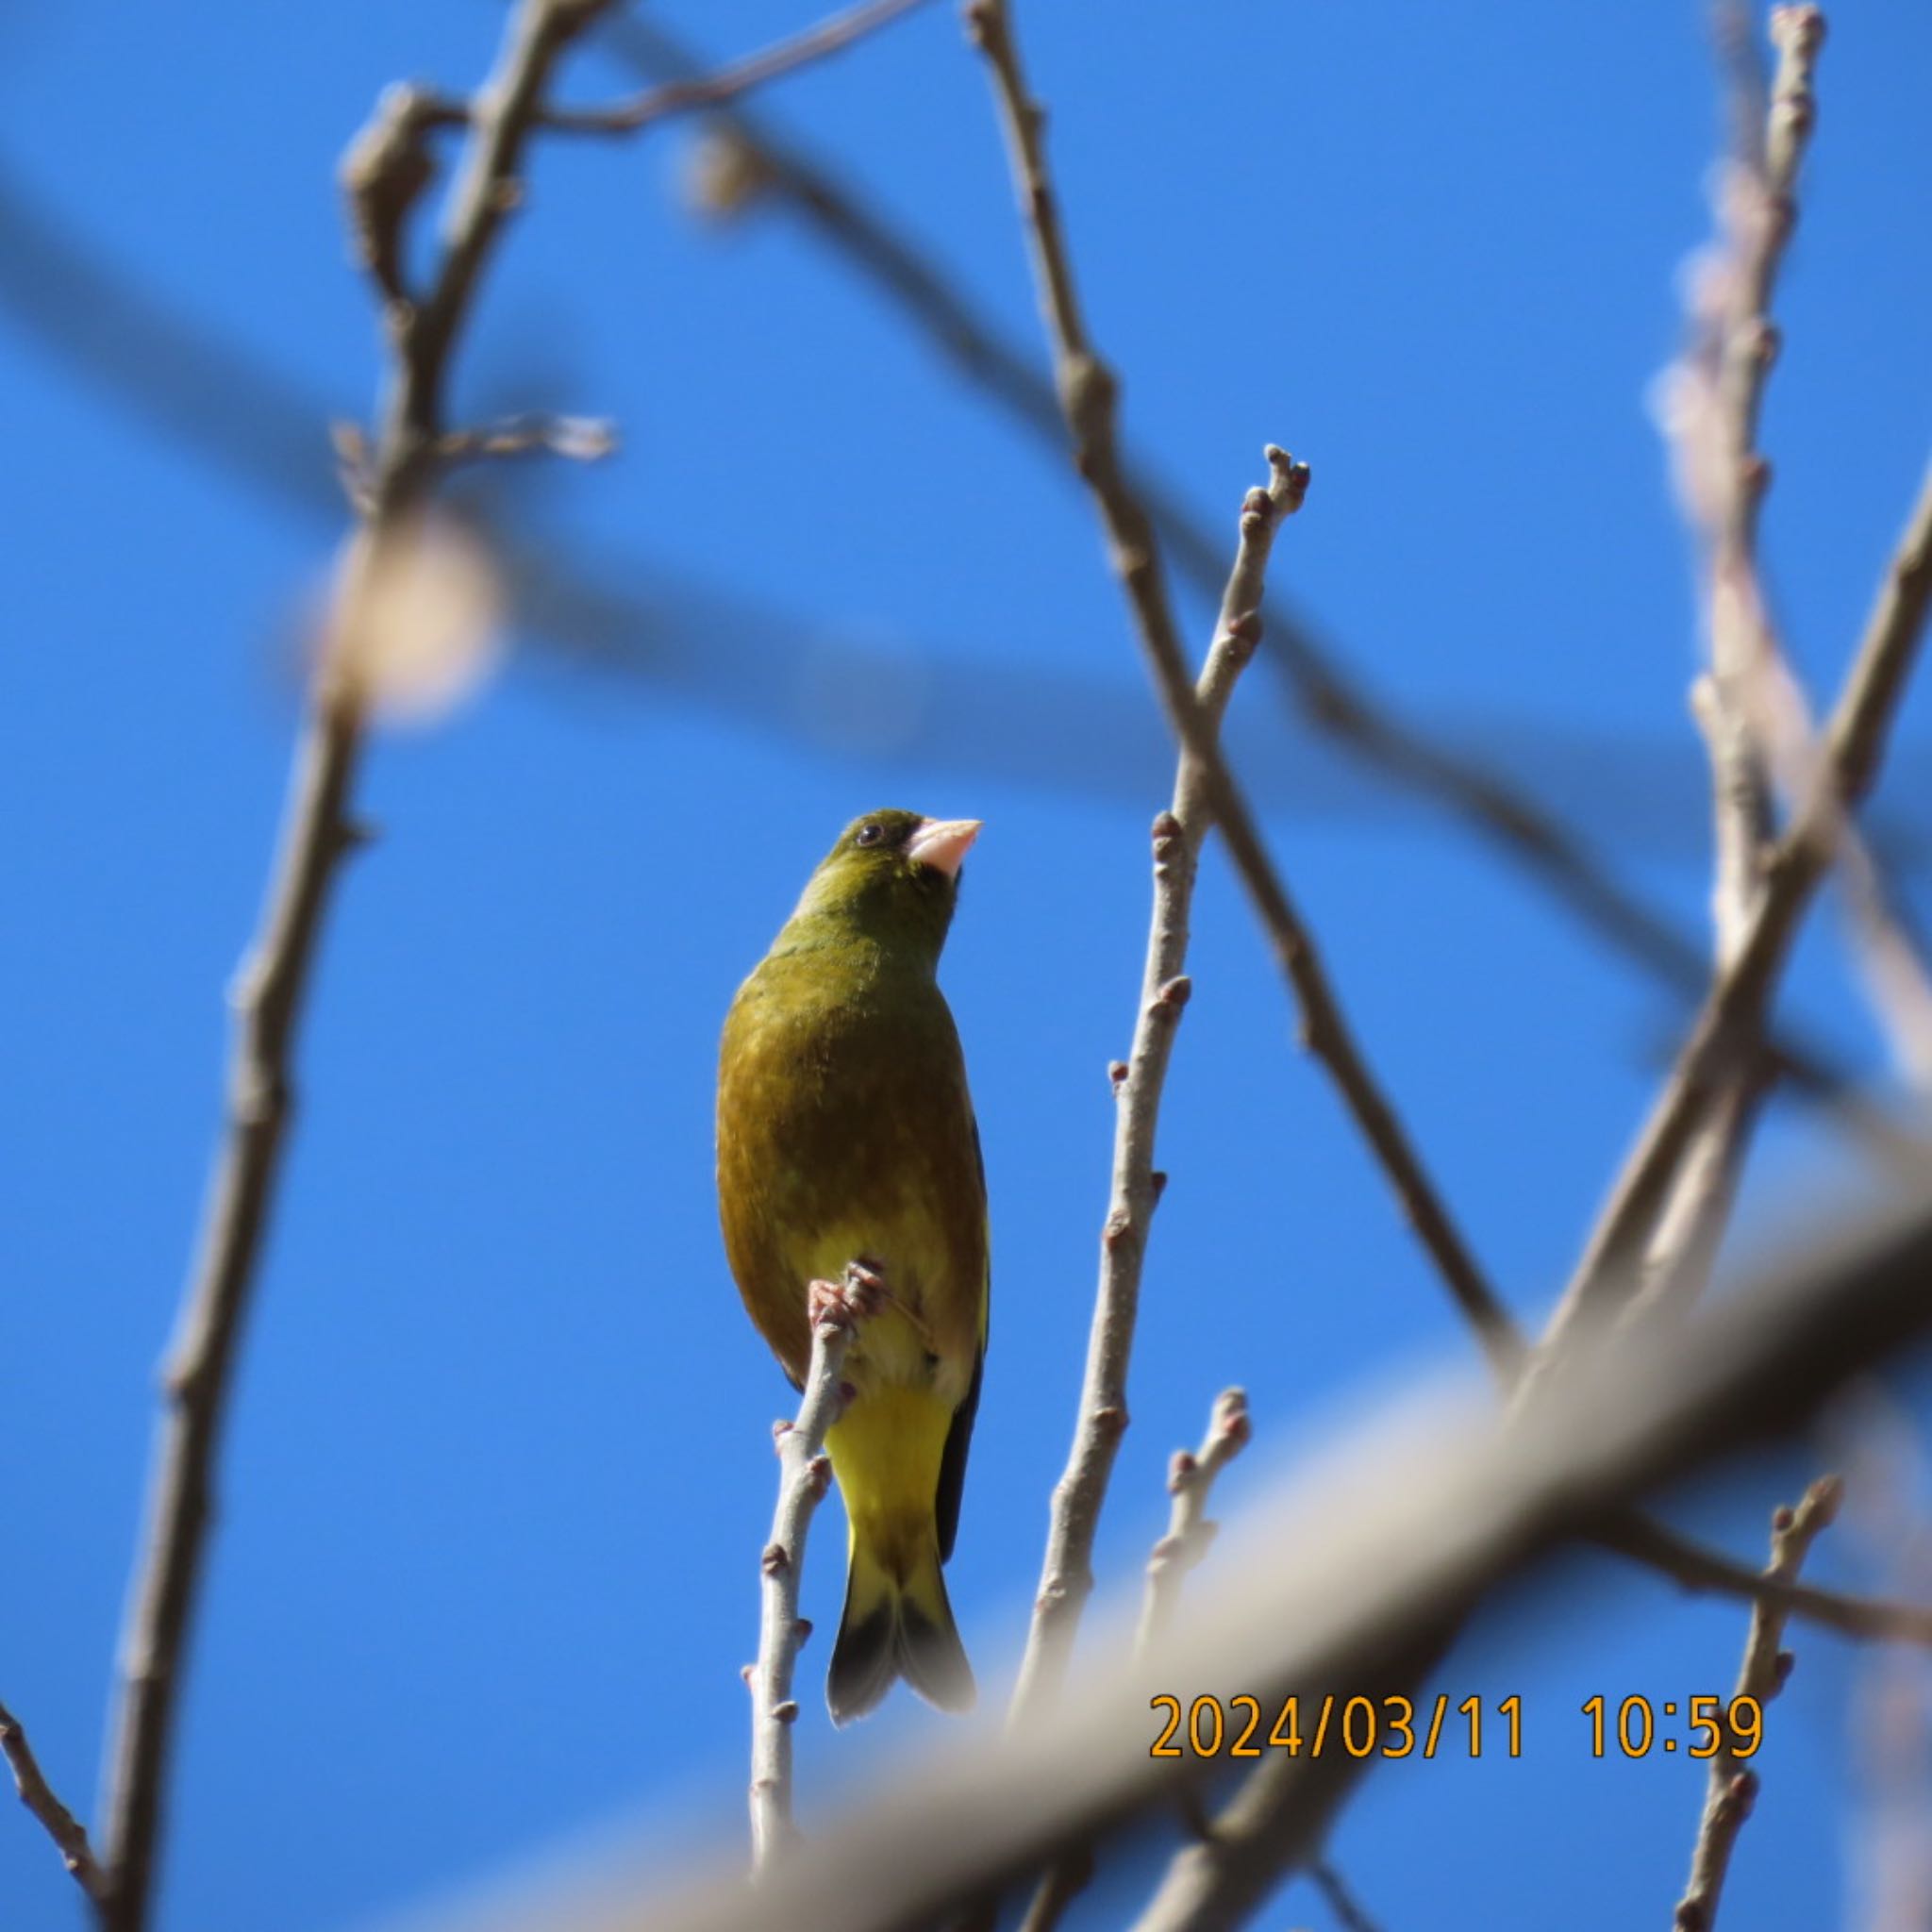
(846, 1132)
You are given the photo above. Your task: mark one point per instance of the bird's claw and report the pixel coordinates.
(845, 1303)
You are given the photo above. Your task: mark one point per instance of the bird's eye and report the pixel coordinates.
(871, 832)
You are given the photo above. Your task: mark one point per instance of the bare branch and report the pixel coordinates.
(1252, 1845)
(383, 174)
(1066, 1879)
(1347, 1909)
(319, 829)
(1088, 394)
(1067, 1575)
(832, 36)
(1189, 1481)
(68, 1833)
(1253, 1841)
(582, 439)
(1711, 403)
(837, 1309)
(1742, 994)
(1733, 1783)
(1874, 1620)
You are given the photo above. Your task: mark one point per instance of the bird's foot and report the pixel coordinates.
(845, 1303)
(865, 1286)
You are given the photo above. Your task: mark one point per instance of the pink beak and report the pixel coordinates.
(943, 843)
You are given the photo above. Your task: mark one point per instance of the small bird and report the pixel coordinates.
(845, 1134)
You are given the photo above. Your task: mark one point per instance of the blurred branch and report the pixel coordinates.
(1348, 1911)
(1876, 1619)
(836, 1310)
(1330, 1579)
(1713, 399)
(1732, 1787)
(68, 1833)
(1190, 1479)
(832, 36)
(1741, 994)
(269, 998)
(1067, 1575)
(582, 439)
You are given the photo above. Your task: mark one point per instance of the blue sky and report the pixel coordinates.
(499, 1470)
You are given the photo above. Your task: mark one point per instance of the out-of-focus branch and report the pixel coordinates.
(1712, 401)
(583, 439)
(1732, 1788)
(319, 830)
(718, 89)
(68, 1833)
(1326, 1580)
(836, 1310)
(1067, 1575)
(1874, 1620)
(1740, 995)
(1347, 1909)
(1191, 1479)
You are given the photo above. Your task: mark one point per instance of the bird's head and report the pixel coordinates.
(894, 876)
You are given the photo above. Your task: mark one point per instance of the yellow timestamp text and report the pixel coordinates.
(1335, 1727)
(1637, 1726)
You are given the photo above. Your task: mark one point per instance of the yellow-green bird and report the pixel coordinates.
(845, 1133)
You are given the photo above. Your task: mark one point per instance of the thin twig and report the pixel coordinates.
(1347, 1909)
(68, 1833)
(317, 831)
(582, 439)
(837, 1309)
(1191, 1479)
(1283, 1812)
(1732, 1787)
(1713, 399)
(1066, 1879)
(1741, 994)
(1088, 393)
(1873, 1620)
(832, 36)
(1067, 1575)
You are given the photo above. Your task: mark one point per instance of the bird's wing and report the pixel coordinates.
(959, 1438)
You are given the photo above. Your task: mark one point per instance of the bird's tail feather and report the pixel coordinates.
(896, 1626)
